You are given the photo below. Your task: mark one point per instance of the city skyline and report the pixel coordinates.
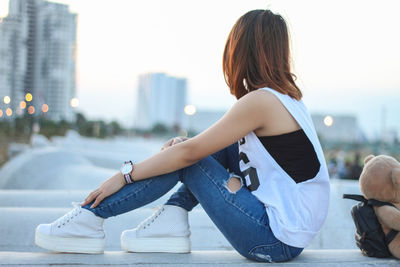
(345, 60)
(37, 48)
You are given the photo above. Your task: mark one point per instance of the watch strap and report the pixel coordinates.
(128, 177)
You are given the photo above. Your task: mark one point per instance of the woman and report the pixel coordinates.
(265, 185)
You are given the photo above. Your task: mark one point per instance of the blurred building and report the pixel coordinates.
(13, 59)
(203, 119)
(38, 56)
(338, 128)
(161, 99)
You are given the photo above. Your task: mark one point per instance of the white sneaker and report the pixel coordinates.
(167, 230)
(78, 231)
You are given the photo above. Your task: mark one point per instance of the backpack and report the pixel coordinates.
(370, 237)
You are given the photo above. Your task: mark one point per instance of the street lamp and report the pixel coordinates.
(74, 102)
(328, 121)
(190, 110)
(31, 110)
(28, 97)
(7, 99)
(9, 112)
(22, 104)
(45, 108)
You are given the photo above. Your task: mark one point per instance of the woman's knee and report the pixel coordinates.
(233, 184)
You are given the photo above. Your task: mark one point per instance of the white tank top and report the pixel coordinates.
(296, 211)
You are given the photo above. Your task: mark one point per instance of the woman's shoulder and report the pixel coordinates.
(259, 95)
(264, 99)
(272, 111)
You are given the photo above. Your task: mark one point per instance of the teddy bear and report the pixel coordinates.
(380, 180)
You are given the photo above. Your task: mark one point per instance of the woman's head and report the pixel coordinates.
(257, 55)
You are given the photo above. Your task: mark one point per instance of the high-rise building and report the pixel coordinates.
(13, 56)
(38, 41)
(161, 99)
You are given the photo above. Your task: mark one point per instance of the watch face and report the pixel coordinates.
(126, 168)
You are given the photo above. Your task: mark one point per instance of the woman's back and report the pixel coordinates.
(296, 208)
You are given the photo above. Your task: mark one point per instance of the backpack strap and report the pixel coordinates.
(390, 236)
(377, 203)
(355, 197)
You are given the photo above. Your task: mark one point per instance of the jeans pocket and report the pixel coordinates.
(274, 252)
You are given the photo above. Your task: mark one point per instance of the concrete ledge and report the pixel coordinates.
(17, 228)
(324, 258)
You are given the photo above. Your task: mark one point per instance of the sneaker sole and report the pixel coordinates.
(160, 244)
(70, 244)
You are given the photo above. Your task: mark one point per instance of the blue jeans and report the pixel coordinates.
(239, 215)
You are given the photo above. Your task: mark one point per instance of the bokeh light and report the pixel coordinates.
(190, 110)
(9, 112)
(328, 121)
(74, 102)
(7, 99)
(45, 108)
(28, 97)
(1, 113)
(22, 104)
(31, 110)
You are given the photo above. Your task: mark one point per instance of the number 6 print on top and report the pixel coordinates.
(251, 171)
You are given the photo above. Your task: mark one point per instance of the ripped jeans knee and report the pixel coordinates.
(234, 183)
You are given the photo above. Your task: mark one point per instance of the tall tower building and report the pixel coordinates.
(41, 47)
(13, 58)
(161, 99)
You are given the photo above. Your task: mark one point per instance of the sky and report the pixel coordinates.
(346, 53)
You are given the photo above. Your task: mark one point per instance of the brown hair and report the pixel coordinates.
(257, 50)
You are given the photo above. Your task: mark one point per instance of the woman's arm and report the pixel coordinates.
(246, 115)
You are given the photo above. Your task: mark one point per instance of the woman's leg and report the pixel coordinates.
(239, 215)
(136, 195)
(167, 230)
(227, 157)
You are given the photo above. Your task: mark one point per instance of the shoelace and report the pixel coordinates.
(68, 216)
(151, 219)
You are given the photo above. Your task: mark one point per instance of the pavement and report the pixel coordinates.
(312, 258)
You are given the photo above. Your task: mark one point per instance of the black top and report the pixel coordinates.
(294, 153)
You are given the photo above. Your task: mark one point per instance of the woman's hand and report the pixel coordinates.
(107, 188)
(174, 141)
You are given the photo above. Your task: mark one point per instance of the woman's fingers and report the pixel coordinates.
(176, 140)
(167, 144)
(91, 197)
(99, 198)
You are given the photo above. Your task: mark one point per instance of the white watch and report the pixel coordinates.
(126, 170)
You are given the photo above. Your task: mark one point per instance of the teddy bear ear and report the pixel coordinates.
(396, 177)
(368, 158)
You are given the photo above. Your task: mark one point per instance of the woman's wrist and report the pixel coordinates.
(127, 171)
(119, 178)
